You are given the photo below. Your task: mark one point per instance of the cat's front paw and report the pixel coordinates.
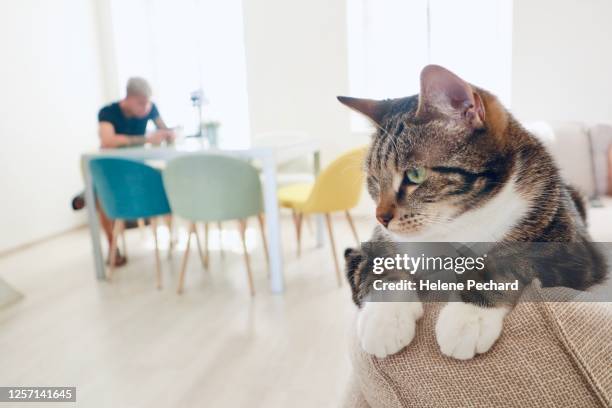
(384, 328)
(464, 329)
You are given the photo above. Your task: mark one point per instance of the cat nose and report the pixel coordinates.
(384, 216)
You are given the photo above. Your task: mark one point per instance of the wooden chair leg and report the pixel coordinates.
(117, 226)
(197, 235)
(350, 221)
(333, 247)
(243, 226)
(170, 223)
(262, 229)
(184, 263)
(206, 251)
(220, 227)
(158, 274)
(300, 219)
(297, 220)
(294, 217)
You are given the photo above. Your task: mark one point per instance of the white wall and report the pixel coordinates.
(51, 92)
(562, 64)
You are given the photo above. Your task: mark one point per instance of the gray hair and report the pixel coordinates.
(138, 86)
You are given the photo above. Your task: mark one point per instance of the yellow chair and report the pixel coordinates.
(337, 188)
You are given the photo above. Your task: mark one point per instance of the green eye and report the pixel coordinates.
(417, 175)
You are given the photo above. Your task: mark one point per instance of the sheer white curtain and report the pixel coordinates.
(183, 45)
(390, 41)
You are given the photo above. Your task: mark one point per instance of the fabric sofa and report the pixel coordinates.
(550, 354)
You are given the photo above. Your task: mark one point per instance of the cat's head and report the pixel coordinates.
(436, 155)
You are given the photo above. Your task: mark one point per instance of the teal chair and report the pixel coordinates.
(214, 188)
(128, 190)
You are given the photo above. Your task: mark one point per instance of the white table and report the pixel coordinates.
(269, 157)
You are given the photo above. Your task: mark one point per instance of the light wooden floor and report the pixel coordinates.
(125, 344)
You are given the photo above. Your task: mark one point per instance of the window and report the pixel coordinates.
(182, 46)
(390, 41)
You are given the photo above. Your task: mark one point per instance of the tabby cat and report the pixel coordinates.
(451, 164)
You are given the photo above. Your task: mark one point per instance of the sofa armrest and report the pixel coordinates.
(353, 397)
(550, 354)
(571, 150)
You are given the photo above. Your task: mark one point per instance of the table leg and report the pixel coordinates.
(92, 220)
(319, 233)
(273, 225)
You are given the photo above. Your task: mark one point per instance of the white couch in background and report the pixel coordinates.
(581, 152)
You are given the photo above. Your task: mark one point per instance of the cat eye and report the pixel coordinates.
(416, 175)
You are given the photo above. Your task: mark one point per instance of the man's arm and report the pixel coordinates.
(159, 123)
(109, 139)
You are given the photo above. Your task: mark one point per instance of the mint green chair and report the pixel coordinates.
(214, 188)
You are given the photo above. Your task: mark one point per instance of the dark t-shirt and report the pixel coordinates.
(126, 126)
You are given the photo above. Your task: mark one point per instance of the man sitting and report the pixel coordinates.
(124, 123)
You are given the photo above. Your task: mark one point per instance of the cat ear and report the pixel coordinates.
(447, 94)
(373, 109)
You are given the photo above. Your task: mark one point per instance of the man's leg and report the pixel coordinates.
(107, 225)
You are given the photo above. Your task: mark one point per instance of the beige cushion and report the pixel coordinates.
(598, 220)
(549, 355)
(601, 138)
(572, 152)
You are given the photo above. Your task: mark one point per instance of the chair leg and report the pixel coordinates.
(220, 227)
(206, 252)
(297, 220)
(350, 221)
(300, 219)
(262, 229)
(117, 226)
(197, 235)
(170, 223)
(333, 247)
(184, 264)
(243, 226)
(157, 261)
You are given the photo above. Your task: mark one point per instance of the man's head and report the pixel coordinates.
(138, 97)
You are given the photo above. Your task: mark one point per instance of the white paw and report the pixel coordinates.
(384, 328)
(464, 330)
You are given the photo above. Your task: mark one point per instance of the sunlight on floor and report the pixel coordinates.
(226, 239)
(124, 343)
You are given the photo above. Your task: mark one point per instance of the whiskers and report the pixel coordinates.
(441, 228)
